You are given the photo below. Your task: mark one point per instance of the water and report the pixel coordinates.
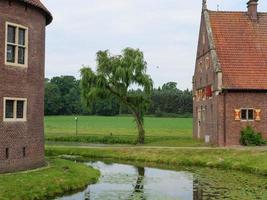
(126, 182)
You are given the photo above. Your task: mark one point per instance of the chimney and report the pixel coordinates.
(253, 9)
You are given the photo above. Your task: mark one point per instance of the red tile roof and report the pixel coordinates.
(38, 4)
(241, 46)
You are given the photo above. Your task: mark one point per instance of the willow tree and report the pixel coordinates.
(116, 76)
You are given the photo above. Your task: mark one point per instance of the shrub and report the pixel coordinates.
(249, 137)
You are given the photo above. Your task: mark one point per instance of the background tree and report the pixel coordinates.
(106, 107)
(69, 94)
(64, 98)
(115, 76)
(168, 100)
(52, 99)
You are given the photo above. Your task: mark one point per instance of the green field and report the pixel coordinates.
(120, 130)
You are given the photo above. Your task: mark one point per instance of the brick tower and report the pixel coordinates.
(22, 58)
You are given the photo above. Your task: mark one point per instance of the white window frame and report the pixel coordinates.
(15, 119)
(247, 120)
(16, 64)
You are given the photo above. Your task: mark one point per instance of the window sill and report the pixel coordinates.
(8, 64)
(14, 120)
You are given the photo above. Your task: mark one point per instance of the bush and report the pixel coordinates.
(249, 137)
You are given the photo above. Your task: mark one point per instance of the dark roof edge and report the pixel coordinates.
(244, 90)
(48, 15)
(226, 11)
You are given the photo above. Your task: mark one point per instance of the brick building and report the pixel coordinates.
(22, 57)
(230, 80)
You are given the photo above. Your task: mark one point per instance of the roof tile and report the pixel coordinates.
(241, 45)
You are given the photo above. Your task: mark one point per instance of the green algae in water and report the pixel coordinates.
(127, 182)
(228, 184)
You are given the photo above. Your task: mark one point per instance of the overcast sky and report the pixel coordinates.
(165, 30)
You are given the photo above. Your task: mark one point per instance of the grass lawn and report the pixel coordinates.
(59, 177)
(94, 129)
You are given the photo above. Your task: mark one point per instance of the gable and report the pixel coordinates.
(203, 44)
(206, 68)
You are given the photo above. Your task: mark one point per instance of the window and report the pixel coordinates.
(203, 113)
(15, 109)
(20, 109)
(9, 109)
(250, 114)
(247, 114)
(24, 152)
(7, 153)
(16, 45)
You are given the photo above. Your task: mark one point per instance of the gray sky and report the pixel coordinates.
(165, 30)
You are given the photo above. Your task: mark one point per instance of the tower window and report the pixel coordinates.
(15, 109)
(24, 151)
(16, 45)
(7, 153)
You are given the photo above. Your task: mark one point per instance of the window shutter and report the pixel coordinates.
(208, 91)
(258, 114)
(237, 114)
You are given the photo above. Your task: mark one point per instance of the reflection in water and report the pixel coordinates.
(128, 182)
(139, 186)
(197, 195)
(87, 195)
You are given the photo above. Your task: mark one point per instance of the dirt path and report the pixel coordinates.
(89, 145)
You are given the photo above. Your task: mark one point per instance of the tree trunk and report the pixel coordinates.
(141, 130)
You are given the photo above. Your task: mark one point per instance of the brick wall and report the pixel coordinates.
(237, 100)
(23, 83)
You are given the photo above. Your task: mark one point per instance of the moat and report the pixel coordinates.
(128, 182)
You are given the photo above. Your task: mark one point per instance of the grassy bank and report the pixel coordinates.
(252, 161)
(60, 177)
(120, 130)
